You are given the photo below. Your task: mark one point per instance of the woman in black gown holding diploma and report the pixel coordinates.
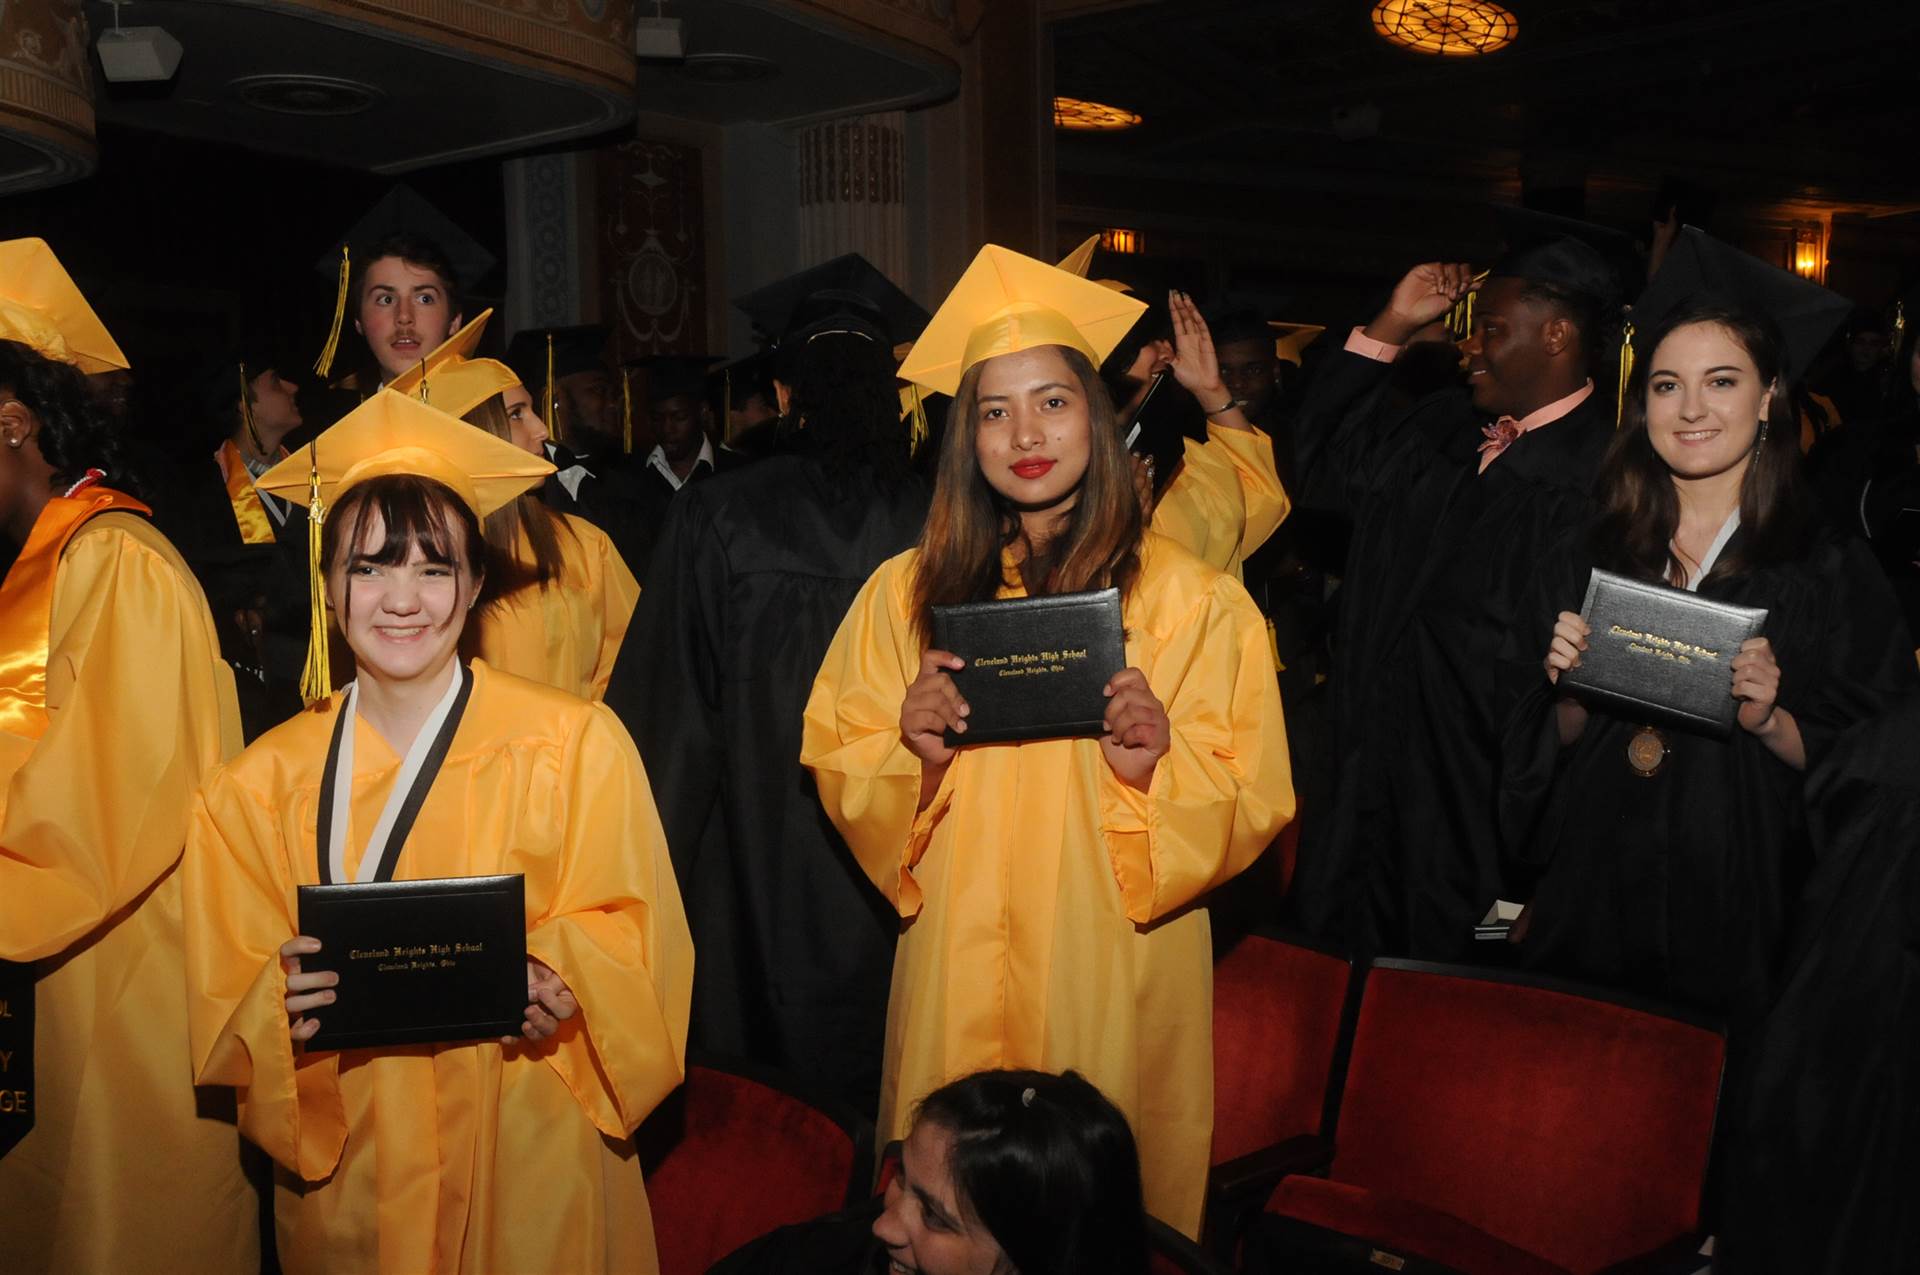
(1667, 860)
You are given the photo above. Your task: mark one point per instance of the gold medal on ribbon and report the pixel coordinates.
(1647, 752)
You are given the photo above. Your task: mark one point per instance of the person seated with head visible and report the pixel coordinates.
(406, 301)
(1021, 1172)
(1003, 1173)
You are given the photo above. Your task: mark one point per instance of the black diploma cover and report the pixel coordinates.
(420, 962)
(1663, 654)
(1035, 666)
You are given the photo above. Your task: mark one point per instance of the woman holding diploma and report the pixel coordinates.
(1047, 888)
(1667, 859)
(114, 704)
(487, 1156)
(560, 595)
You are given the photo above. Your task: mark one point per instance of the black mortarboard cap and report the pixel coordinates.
(848, 292)
(402, 210)
(581, 348)
(670, 375)
(1568, 254)
(1700, 266)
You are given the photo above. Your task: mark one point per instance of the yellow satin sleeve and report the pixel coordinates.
(140, 707)
(1226, 501)
(614, 929)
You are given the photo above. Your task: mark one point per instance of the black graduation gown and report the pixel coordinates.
(1826, 1185)
(192, 509)
(1404, 858)
(753, 573)
(1679, 885)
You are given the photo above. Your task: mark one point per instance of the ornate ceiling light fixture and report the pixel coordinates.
(1447, 28)
(1096, 117)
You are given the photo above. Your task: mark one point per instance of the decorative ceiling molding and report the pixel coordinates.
(46, 108)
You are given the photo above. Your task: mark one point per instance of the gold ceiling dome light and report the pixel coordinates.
(1446, 28)
(1081, 115)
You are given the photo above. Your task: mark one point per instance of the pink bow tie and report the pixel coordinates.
(1500, 436)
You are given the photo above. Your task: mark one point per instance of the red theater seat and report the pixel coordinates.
(735, 1153)
(1503, 1123)
(1278, 1011)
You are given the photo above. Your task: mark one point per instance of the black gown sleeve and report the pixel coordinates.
(666, 681)
(1825, 1183)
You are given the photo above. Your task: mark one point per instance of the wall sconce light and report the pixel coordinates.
(1081, 116)
(1809, 253)
(1120, 239)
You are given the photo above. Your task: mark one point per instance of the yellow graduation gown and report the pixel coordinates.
(568, 633)
(474, 1158)
(120, 1173)
(1048, 907)
(1226, 500)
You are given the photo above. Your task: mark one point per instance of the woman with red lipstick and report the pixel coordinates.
(1667, 861)
(1049, 890)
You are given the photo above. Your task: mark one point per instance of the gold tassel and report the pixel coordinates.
(1626, 373)
(423, 380)
(324, 364)
(1460, 318)
(626, 410)
(554, 426)
(1899, 327)
(316, 679)
(246, 416)
(917, 429)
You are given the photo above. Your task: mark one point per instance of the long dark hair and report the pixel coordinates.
(1049, 1167)
(75, 435)
(843, 392)
(523, 513)
(970, 523)
(413, 511)
(1640, 510)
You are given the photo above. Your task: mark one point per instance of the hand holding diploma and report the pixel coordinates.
(1138, 733)
(305, 991)
(549, 1003)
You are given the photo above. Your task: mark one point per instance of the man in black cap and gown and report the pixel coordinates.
(752, 575)
(1452, 502)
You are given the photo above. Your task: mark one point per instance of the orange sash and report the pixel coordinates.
(26, 605)
(256, 526)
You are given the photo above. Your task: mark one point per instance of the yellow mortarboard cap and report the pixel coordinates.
(453, 380)
(1006, 302)
(42, 309)
(1289, 339)
(393, 434)
(1080, 260)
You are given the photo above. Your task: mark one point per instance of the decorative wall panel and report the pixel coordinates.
(853, 191)
(652, 248)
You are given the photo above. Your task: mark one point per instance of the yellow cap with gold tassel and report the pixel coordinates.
(316, 678)
(324, 364)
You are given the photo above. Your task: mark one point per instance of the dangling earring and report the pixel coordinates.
(1763, 432)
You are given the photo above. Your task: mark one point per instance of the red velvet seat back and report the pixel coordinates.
(1276, 1023)
(1572, 1128)
(729, 1159)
